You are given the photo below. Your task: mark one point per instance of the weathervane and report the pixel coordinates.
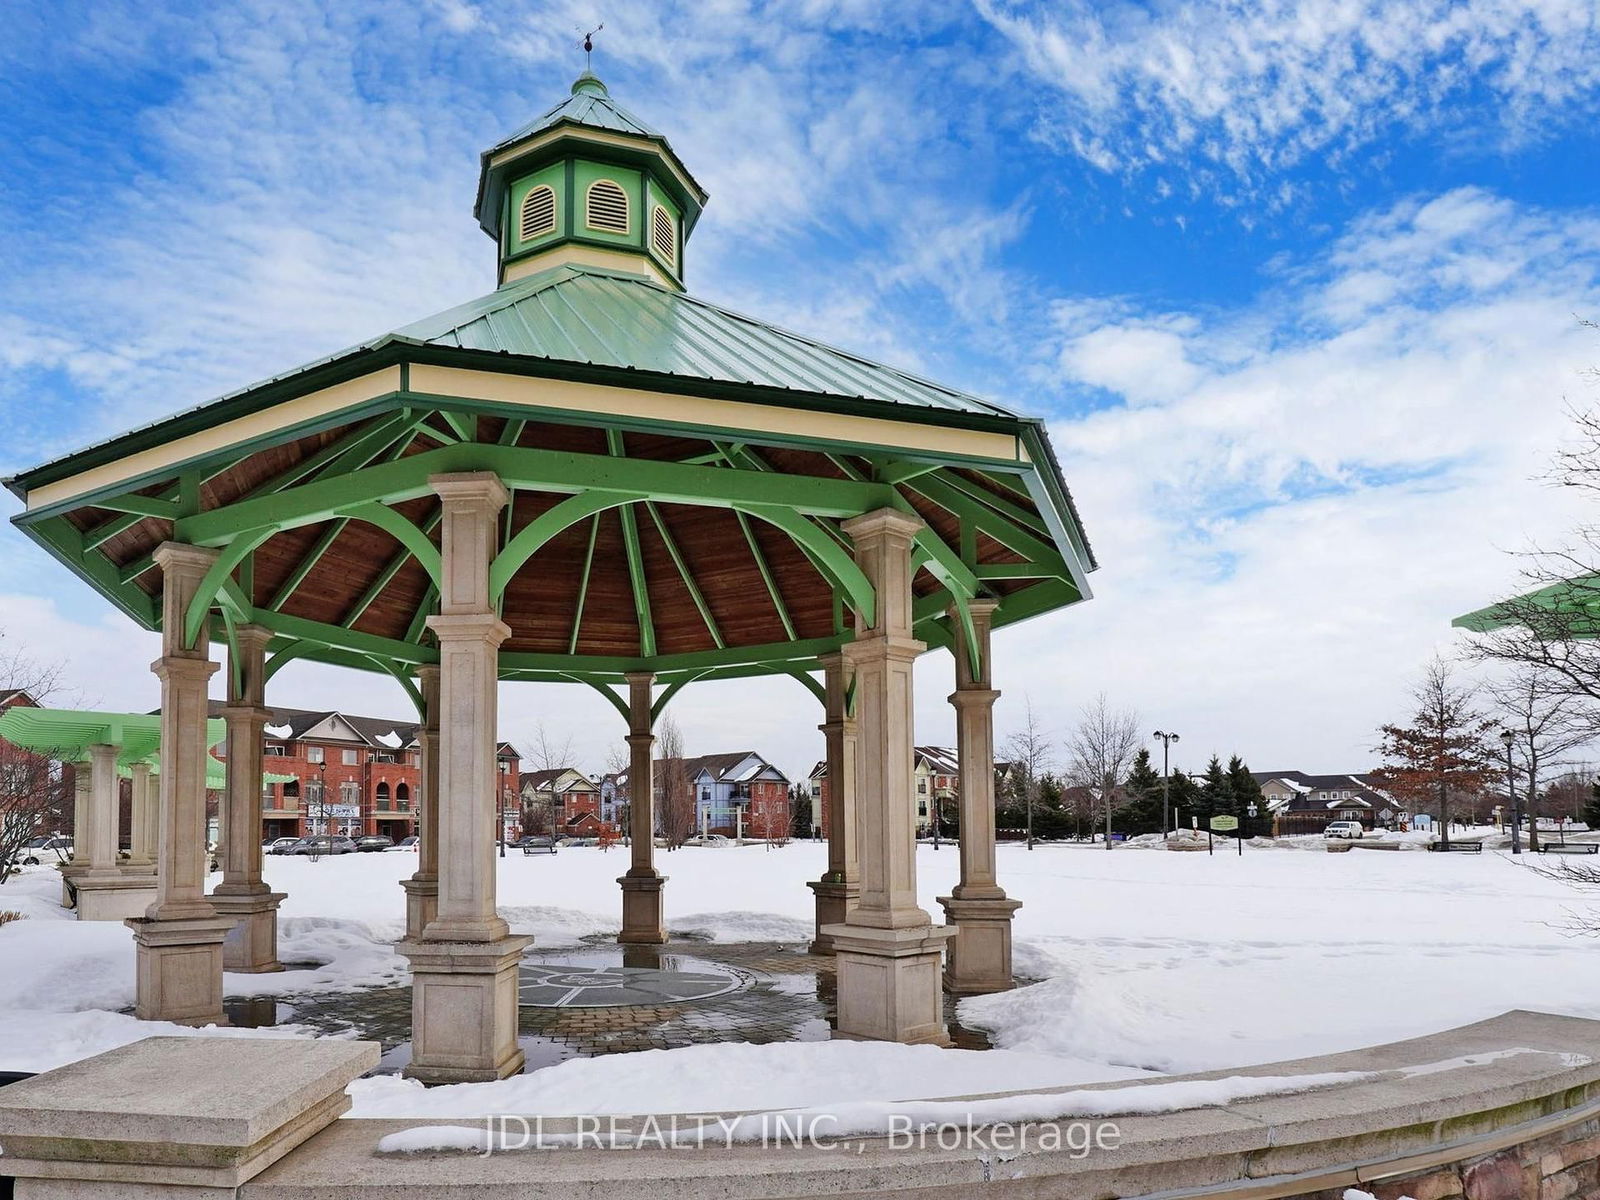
(588, 46)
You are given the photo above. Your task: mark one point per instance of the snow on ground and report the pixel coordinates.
(1150, 960)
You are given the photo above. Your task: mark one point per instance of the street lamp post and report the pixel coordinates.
(1507, 738)
(1166, 809)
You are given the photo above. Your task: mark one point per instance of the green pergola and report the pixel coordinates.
(1568, 608)
(67, 734)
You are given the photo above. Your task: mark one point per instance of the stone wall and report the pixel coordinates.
(1564, 1165)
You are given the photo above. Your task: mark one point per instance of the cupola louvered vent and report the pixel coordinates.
(538, 213)
(608, 207)
(663, 234)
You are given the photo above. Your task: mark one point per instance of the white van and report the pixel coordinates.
(1344, 829)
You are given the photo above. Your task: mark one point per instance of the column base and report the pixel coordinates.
(835, 898)
(137, 868)
(252, 944)
(980, 953)
(114, 897)
(464, 1009)
(642, 922)
(422, 904)
(179, 975)
(70, 871)
(889, 983)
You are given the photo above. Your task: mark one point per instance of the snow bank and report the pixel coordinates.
(730, 1077)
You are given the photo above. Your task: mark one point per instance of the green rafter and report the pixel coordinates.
(308, 562)
(583, 584)
(537, 532)
(212, 582)
(403, 531)
(766, 575)
(419, 619)
(386, 576)
(687, 575)
(635, 556)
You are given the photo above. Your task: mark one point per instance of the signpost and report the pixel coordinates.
(1223, 824)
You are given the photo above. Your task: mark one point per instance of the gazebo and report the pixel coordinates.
(585, 476)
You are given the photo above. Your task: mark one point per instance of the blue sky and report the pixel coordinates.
(1297, 285)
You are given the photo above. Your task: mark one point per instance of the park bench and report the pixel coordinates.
(1459, 847)
(1571, 848)
(550, 849)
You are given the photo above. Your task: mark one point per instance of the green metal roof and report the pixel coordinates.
(1569, 608)
(69, 733)
(585, 315)
(589, 104)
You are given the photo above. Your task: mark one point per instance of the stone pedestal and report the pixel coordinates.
(889, 983)
(116, 898)
(422, 905)
(835, 898)
(464, 1009)
(191, 1117)
(180, 968)
(252, 944)
(980, 953)
(642, 921)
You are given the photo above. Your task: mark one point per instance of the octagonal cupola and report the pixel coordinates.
(588, 183)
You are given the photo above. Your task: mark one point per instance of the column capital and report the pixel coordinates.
(471, 490)
(873, 646)
(469, 627)
(640, 739)
(240, 713)
(635, 678)
(183, 669)
(253, 637)
(883, 522)
(427, 673)
(974, 697)
(178, 559)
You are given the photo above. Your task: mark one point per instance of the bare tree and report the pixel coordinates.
(35, 789)
(1546, 722)
(675, 805)
(548, 751)
(1031, 755)
(1444, 753)
(1101, 752)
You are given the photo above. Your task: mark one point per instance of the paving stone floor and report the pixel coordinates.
(758, 992)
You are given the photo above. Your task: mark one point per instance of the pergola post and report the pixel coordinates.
(142, 821)
(79, 862)
(888, 950)
(104, 891)
(422, 889)
(642, 921)
(977, 908)
(179, 939)
(252, 945)
(464, 966)
(837, 890)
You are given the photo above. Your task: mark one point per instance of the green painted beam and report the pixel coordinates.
(970, 512)
(377, 441)
(143, 506)
(512, 433)
(687, 576)
(636, 580)
(1054, 568)
(136, 567)
(583, 584)
(312, 463)
(549, 524)
(211, 583)
(102, 533)
(419, 619)
(531, 469)
(837, 566)
(1015, 513)
(766, 575)
(403, 531)
(699, 660)
(386, 576)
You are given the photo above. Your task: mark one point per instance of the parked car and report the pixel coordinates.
(42, 850)
(408, 843)
(708, 839)
(533, 839)
(323, 844)
(374, 843)
(282, 845)
(1344, 829)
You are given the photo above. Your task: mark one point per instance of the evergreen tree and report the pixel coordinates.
(1141, 808)
(1185, 799)
(1246, 791)
(1591, 810)
(1216, 793)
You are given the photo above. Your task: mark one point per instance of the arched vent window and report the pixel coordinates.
(608, 206)
(663, 235)
(538, 213)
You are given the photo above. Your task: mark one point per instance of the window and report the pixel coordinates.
(538, 213)
(607, 206)
(275, 750)
(663, 234)
(350, 793)
(402, 797)
(381, 794)
(314, 754)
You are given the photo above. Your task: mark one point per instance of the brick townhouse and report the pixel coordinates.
(352, 775)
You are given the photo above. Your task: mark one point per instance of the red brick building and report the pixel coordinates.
(352, 775)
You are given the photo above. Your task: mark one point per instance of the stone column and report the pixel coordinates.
(977, 908)
(464, 966)
(837, 890)
(142, 821)
(252, 945)
(422, 889)
(79, 862)
(642, 921)
(889, 951)
(105, 892)
(179, 938)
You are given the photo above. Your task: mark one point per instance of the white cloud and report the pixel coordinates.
(1241, 92)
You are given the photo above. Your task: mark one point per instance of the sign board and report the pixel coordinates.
(341, 810)
(1224, 824)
